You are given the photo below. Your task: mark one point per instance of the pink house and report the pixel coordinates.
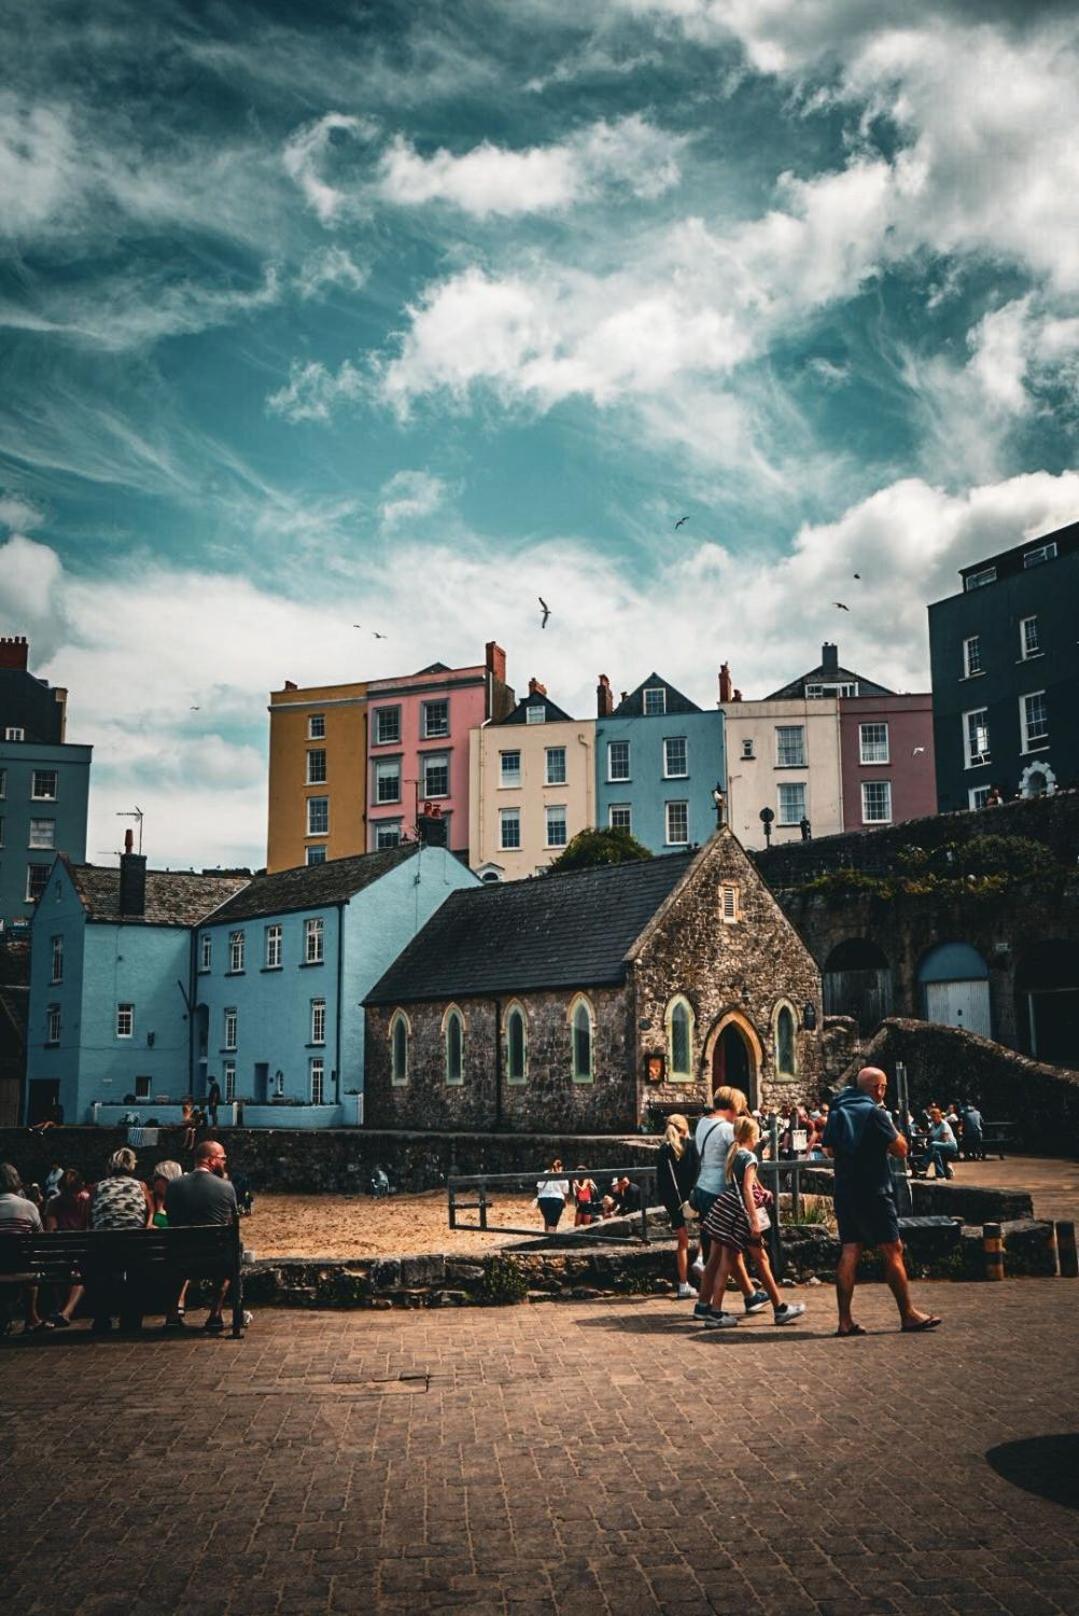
(886, 758)
(417, 744)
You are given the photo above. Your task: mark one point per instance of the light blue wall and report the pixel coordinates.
(106, 964)
(18, 760)
(647, 791)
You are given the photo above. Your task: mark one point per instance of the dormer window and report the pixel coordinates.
(536, 714)
(1040, 553)
(655, 702)
(978, 580)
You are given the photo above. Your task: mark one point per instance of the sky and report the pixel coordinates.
(404, 315)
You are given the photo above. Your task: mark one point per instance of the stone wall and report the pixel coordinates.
(548, 1100)
(946, 1063)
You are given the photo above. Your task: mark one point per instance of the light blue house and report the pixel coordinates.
(110, 988)
(282, 968)
(659, 757)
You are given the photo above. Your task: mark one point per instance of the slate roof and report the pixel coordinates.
(556, 931)
(633, 706)
(313, 886)
(555, 715)
(823, 674)
(173, 897)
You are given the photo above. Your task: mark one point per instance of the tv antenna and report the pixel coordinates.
(137, 816)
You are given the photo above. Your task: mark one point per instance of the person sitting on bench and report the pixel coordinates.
(202, 1196)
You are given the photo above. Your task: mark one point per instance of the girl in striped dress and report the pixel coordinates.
(736, 1222)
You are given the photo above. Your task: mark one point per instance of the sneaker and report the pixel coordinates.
(788, 1312)
(171, 1325)
(721, 1321)
(755, 1301)
(685, 1292)
(215, 1325)
(697, 1266)
(702, 1311)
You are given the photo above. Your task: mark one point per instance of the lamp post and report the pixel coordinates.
(766, 816)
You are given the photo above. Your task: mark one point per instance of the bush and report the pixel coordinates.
(591, 849)
(1017, 857)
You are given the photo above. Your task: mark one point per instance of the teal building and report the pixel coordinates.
(659, 758)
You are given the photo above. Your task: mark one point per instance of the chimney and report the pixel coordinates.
(14, 651)
(535, 688)
(604, 697)
(726, 684)
(290, 684)
(829, 657)
(132, 880)
(496, 661)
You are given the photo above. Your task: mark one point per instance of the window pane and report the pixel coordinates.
(1035, 719)
(43, 833)
(790, 746)
(388, 833)
(874, 743)
(792, 804)
(618, 760)
(387, 725)
(675, 763)
(556, 827)
(318, 816)
(388, 781)
(316, 855)
(1030, 636)
(680, 1057)
(620, 816)
(677, 823)
(43, 785)
(436, 775)
(977, 736)
(972, 655)
(436, 719)
(453, 1049)
(655, 702)
(876, 802)
(582, 1043)
(785, 1042)
(536, 713)
(556, 766)
(316, 727)
(510, 826)
(400, 1050)
(316, 766)
(510, 768)
(515, 1043)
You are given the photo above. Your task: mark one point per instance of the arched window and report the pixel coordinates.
(680, 1040)
(516, 1045)
(453, 1028)
(581, 1022)
(399, 1034)
(786, 1057)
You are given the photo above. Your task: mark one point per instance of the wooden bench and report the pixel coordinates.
(160, 1258)
(995, 1136)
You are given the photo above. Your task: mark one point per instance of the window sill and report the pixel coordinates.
(1029, 751)
(509, 785)
(435, 796)
(205, 970)
(983, 763)
(555, 785)
(1033, 657)
(308, 965)
(316, 836)
(264, 969)
(676, 844)
(316, 1046)
(51, 1043)
(875, 824)
(586, 1082)
(388, 802)
(228, 1049)
(964, 678)
(237, 973)
(785, 766)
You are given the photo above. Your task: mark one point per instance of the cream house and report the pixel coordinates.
(532, 787)
(785, 756)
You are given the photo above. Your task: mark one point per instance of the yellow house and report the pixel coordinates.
(532, 787)
(318, 774)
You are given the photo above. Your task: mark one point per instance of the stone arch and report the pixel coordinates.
(734, 1054)
(857, 980)
(953, 980)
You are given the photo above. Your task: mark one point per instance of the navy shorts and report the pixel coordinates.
(866, 1220)
(677, 1215)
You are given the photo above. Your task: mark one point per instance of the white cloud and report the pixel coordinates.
(313, 390)
(328, 268)
(1018, 348)
(491, 179)
(305, 157)
(18, 514)
(409, 496)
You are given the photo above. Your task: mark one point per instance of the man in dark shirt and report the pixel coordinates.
(861, 1138)
(202, 1196)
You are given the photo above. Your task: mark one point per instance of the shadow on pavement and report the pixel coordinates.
(1045, 1465)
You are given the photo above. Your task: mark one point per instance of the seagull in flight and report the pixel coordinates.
(546, 610)
(858, 576)
(377, 635)
(841, 606)
(357, 625)
(679, 522)
(194, 709)
(917, 749)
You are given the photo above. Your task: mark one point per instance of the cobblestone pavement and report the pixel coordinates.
(527, 1460)
(1053, 1183)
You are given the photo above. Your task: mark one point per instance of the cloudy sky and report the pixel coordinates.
(405, 314)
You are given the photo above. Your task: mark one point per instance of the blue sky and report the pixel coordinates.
(404, 315)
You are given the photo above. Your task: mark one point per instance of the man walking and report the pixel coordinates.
(202, 1196)
(861, 1136)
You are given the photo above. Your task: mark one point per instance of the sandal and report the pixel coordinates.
(923, 1324)
(855, 1329)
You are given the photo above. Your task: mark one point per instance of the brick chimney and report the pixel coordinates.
(132, 880)
(14, 651)
(726, 683)
(496, 660)
(829, 657)
(535, 688)
(290, 684)
(604, 697)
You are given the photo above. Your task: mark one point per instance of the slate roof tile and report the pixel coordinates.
(173, 897)
(633, 705)
(313, 886)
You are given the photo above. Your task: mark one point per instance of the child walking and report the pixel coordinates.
(736, 1223)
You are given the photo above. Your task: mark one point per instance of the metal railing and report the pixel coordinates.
(481, 1183)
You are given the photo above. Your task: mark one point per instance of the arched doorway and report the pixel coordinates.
(858, 983)
(1047, 1001)
(736, 1056)
(954, 981)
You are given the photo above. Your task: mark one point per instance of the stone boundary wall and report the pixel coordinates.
(1052, 820)
(947, 1063)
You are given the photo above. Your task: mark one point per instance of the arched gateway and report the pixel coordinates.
(736, 1055)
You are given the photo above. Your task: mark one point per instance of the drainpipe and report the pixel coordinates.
(190, 1000)
(498, 1062)
(340, 1004)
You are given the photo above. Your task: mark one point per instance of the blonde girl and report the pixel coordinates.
(675, 1178)
(737, 1222)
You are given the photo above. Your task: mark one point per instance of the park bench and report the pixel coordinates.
(995, 1137)
(158, 1259)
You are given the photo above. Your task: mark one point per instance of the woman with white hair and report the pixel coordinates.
(120, 1201)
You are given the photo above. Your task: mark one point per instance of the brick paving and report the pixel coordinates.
(589, 1457)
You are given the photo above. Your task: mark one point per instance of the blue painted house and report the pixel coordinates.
(658, 759)
(282, 968)
(110, 981)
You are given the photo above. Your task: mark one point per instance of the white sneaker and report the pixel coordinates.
(788, 1312)
(685, 1292)
(697, 1266)
(721, 1321)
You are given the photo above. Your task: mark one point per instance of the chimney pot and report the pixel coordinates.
(535, 688)
(726, 684)
(604, 697)
(14, 651)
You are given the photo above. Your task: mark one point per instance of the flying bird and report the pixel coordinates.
(858, 576)
(194, 709)
(377, 635)
(679, 522)
(357, 625)
(546, 610)
(841, 606)
(917, 749)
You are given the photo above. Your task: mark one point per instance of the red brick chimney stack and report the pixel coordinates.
(604, 697)
(14, 651)
(496, 660)
(726, 683)
(535, 688)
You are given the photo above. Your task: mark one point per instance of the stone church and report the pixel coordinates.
(572, 1002)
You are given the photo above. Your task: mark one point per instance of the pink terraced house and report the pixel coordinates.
(417, 745)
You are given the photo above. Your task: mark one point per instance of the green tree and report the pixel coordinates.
(591, 848)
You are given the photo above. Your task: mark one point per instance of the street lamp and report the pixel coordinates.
(766, 816)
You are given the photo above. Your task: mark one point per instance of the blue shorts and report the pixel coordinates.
(865, 1220)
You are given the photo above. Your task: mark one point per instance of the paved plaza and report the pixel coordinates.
(590, 1457)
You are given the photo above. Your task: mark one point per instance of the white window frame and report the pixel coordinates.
(1027, 651)
(507, 816)
(974, 793)
(53, 1024)
(390, 828)
(125, 1019)
(314, 778)
(619, 779)
(869, 787)
(790, 729)
(39, 840)
(972, 759)
(550, 779)
(747, 748)
(316, 1079)
(972, 658)
(866, 755)
(434, 760)
(1033, 743)
(230, 1027)
(581, 1001)
(658, 709)
(509, 778)
(555, 813)
(729, 909)
(31, 895)
(675, 803)
(37, 795)
(430, 734)
(312, 802)
(206, 952)
(535, 713)
(387, 769)
(314, 940)
(668, 772)
(237, 953)
(13, 733)
(1040, 552)
(275, 947)
(782, 818)
(318, 1021)
(516, 1008)
(978, 580)
(387, 740)
(620, 808)
(316, 727)
(228, 1083)
(399, 1071)
(56, 959)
